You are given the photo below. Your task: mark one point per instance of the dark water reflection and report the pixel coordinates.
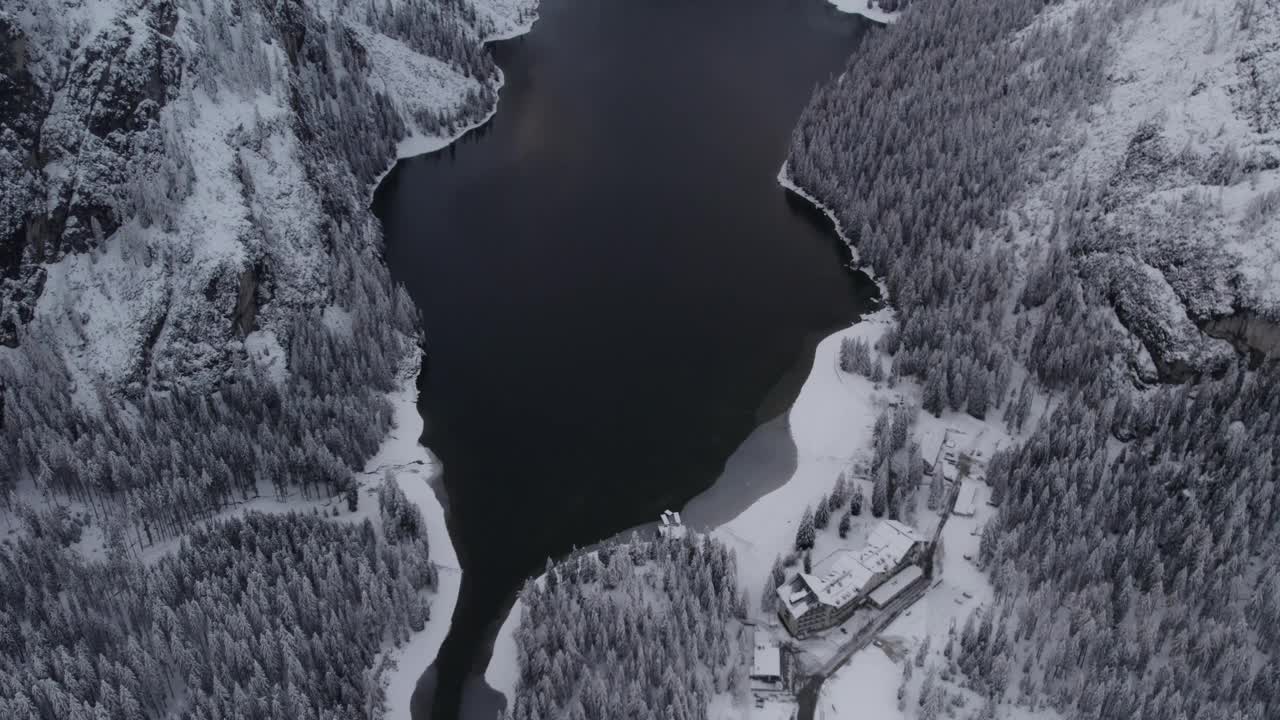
(612, 281)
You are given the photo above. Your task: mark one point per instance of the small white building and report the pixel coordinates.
(966, 501)
(766, 663)
(670, 527)
(895, 586)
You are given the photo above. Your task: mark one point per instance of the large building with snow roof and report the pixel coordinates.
(846, 579)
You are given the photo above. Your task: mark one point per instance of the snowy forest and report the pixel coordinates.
(1135, 545)
(265, 616)
(213, 161)
(644, 629)
(209, 162)
(160, 457)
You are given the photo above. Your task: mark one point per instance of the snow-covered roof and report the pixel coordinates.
(671, 526)
(966, 501)
(842, 579)
(931, 445)
(844, 574)
(890, 588)
(767, 661)
(888, 545)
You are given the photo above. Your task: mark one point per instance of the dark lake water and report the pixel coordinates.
(612, 282)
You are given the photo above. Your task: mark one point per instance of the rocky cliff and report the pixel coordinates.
(178, 177)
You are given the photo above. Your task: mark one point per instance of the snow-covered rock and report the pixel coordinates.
(1183, 157)
(176, 175)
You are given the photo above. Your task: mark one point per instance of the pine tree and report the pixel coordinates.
(935, 392)
(877, 372)
(880, 493)
(822, 515)
(839, 493)
(922, 652)
(844, 526)
(978, 391)
(936, 490)
(769, 599)
(804, 533)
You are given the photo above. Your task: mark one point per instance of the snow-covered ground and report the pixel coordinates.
(504, 667)
(1184, 145)
(865, 688)
(831, 423)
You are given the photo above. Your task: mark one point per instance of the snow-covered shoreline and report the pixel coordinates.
(418, 144)
(415, 468)
(813, 475)
(830, 422)
(402, 451)
(784, 179)
(860, 7)
(503, 670)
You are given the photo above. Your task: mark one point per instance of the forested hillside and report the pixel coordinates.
(236, 255)
(1137, 533)
(643, 630)
(270, 616)
(194, 313)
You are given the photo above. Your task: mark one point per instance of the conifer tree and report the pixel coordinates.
(822, 516)
(804, 533)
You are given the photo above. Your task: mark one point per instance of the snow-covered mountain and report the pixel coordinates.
(1183, 162)
(177, 178)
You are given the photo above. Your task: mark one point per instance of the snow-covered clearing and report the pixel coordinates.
(864, 688)
(831, 421)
